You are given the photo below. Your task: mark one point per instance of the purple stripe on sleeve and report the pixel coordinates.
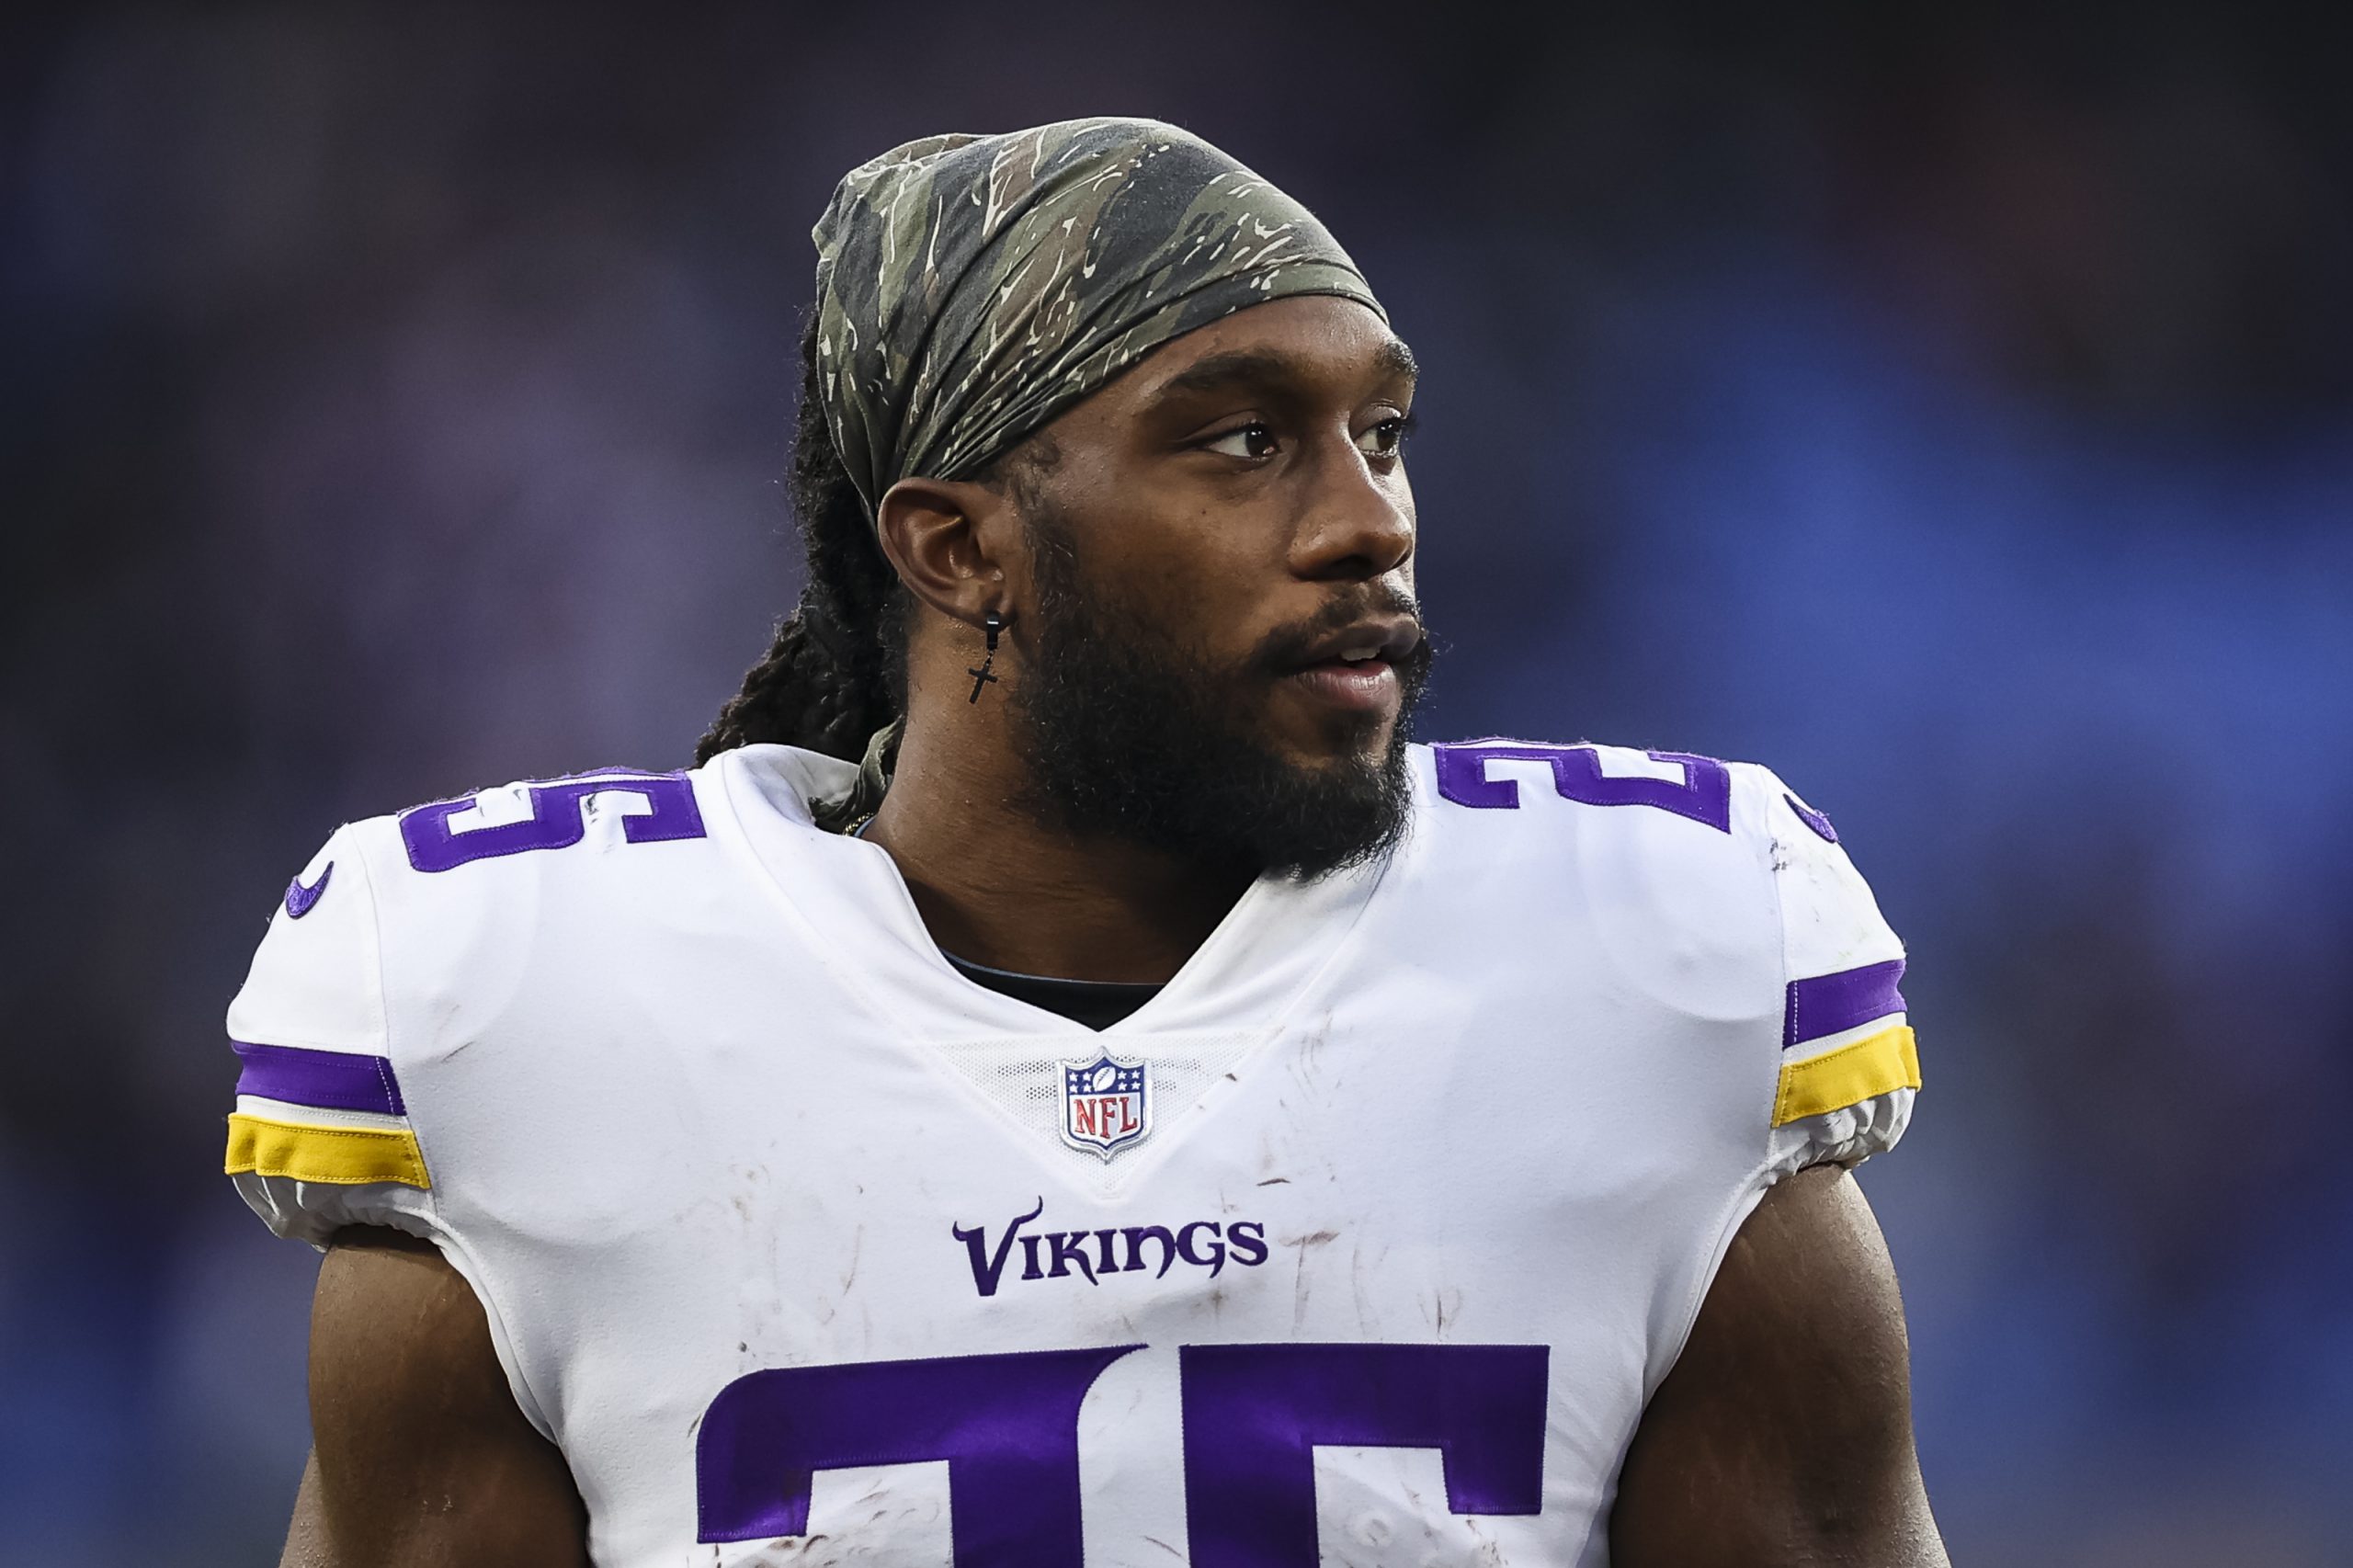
(1828, 1002)
(332, 1079)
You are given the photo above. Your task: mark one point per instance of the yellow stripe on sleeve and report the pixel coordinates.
(1877, 1064)
(344, 1157)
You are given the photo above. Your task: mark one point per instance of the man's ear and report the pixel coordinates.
(950, 543)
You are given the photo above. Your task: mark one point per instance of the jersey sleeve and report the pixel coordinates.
(321, 1137)
(1849, 1064)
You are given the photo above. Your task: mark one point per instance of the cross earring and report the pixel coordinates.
(993, 625)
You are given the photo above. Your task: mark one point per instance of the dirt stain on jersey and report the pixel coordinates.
(1300, 1290)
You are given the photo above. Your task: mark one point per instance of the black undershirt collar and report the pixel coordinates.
(1098, 1003)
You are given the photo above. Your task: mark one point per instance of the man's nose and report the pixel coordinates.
(1360, 524)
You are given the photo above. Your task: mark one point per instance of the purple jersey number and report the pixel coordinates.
(1704, 795)
(1254, 1412)
(1008, 1425)
(558, 819)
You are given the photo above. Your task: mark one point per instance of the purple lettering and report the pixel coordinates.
(989, 1267)
(1139, 1234)
(1066, 1246)
(1057, 1254)
(1215, 1262)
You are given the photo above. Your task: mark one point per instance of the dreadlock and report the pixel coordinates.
(836, 672)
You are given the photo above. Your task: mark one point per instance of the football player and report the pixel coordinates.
(1063, 1081)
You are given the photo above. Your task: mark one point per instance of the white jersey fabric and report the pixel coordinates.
(1364, 1242)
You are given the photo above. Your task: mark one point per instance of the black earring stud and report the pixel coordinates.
(992, 625)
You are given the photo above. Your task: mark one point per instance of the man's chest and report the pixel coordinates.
(1391, 1276)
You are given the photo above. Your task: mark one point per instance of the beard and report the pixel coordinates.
(1132, 734)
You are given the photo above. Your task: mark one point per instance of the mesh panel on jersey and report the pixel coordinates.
(1022, 1076)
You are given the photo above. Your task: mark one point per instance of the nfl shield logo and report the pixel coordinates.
(1107, 1104)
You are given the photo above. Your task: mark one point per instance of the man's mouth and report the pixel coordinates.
(1355, 668)
(1363, 685)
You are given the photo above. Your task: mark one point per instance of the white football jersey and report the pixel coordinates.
(1364, 1242)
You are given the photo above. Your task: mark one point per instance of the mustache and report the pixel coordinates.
(1287, 648)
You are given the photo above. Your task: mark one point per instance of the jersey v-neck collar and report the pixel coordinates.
(1251, 972)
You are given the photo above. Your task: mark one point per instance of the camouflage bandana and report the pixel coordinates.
(972, 288)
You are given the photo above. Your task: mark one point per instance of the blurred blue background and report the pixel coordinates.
(1957, 414)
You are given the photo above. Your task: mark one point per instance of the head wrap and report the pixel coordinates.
(972, 288)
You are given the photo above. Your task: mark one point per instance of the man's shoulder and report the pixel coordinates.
(1660, 851)
(1668, 850)
(507, 936)
(459, 890)
(1708, 886)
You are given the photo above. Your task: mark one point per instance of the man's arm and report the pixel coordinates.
(1783, 1437)
(422, 1459)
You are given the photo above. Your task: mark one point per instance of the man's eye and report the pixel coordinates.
(1249, 441)
(1384, 439)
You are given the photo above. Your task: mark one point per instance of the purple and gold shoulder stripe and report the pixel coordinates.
(1844, 1040)
(323, 1115)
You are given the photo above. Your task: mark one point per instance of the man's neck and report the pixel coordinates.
(997, 887)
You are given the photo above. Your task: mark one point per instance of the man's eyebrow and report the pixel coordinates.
(1239, 367)
(1260, 366)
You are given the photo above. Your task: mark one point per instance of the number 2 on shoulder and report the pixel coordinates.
(1703, 793)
